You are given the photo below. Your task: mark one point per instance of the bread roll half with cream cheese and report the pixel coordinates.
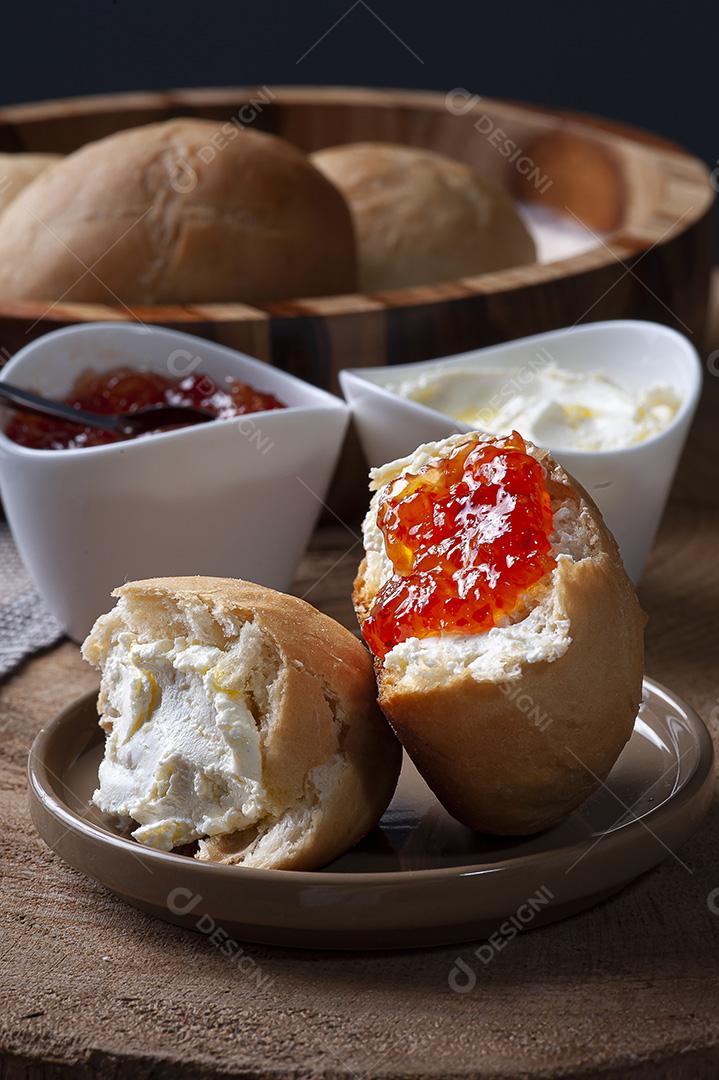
(239, 718)
(513, 728)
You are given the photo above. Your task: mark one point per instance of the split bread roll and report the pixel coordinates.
(421, 217)
(240, 718)
(18, 170)
(178, 212)
(513, 728)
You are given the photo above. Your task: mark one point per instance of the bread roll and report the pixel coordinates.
(18, 170)
(178, 212)
(421, 217)
(240, 718)
(589, 182)
(515, 727)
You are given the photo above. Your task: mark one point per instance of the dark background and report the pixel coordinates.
(655, 65)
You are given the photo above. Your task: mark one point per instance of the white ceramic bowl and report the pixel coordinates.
(630, 485)
(236, 498)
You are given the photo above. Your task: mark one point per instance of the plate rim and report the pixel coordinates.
(40, 790)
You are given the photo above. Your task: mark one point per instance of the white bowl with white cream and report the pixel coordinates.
(613, 402)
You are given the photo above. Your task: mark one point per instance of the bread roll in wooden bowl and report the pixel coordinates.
(423, 218)
(153, 215)
(650, 200)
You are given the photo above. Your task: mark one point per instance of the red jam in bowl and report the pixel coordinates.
(125, 390)
(467, 535)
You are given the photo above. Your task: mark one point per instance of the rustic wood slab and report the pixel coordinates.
(94, 988)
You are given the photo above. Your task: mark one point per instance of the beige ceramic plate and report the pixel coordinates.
(421, 878)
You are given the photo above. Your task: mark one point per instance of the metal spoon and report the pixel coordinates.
(135, 423)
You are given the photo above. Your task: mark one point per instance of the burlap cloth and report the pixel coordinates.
(26, 625)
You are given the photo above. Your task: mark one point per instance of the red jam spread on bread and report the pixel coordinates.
(125, 390)
(467, 535)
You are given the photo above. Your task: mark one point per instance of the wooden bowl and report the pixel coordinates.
(649, 199)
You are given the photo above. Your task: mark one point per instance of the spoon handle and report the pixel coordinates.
(35, 403)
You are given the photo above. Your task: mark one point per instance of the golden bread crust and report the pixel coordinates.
(17, 171)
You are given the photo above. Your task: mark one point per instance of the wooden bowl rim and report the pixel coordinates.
(616, 246)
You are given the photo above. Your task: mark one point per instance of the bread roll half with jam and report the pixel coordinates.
(513, 681)
(239, 718)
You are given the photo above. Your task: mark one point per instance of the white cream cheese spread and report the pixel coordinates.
(548, 404)
(183, 755)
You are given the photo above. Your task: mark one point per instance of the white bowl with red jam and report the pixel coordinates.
(612, 401)
(237, 496)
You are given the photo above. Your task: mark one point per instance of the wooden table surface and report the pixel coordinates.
(93, 988)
